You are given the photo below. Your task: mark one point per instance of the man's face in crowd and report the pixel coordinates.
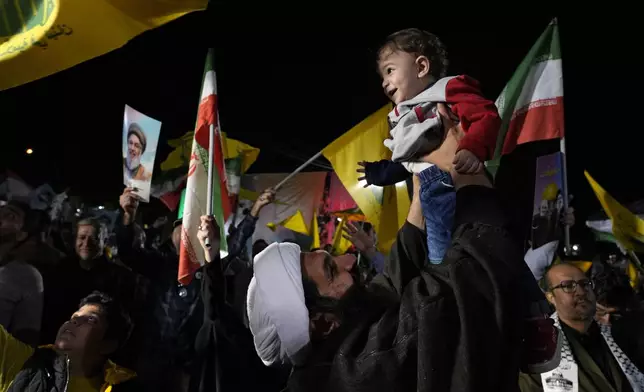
(11, 221)
(402, 74)
(545, 208)
(578, 305)
(332, 275)
(134, 151)
(85, 332)
(87, 242)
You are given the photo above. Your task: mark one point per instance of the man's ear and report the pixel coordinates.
(423, 65)
(550, 297)
(322, 324)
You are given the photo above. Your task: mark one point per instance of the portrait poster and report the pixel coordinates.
(140, 138)
(548, 200)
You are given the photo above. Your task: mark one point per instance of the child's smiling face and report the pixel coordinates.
(404, 75)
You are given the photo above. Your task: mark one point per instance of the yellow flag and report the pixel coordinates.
(41, 37)
(294, 222)
(315, 231)
(180, 156)
(626, 225)
(340, 244)
(235, 148)
(386, 208)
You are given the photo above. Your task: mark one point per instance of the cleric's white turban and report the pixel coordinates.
(277, 314)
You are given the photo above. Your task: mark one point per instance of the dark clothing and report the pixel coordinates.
(598, 370)
(595, 345)
(46, 371)
(176, 312)
(627, 331)
(67, 283)
(172, 316)
(225, 345)
(438, 201)
(456, 326)
(385, 172)
(515, 180)
(173, 310)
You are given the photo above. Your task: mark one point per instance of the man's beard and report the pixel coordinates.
(132, 163)
(583, 308)
(362, 302)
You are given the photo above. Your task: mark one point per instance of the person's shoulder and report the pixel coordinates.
(460, 83)
(118, 269)
(23, 273)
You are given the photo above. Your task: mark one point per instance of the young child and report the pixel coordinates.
(413, 65)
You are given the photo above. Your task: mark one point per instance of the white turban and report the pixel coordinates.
(277, 314)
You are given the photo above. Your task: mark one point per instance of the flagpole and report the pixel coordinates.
(299, 169)
(211, 168)
(566, 198)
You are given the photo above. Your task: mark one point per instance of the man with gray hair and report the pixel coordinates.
(82, 273)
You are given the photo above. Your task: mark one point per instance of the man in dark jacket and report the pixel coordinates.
(418, 327)
(78, 360)
(175, 312)
(80, 274)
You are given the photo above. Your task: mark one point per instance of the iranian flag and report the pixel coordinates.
(191, 256)
(531, 104)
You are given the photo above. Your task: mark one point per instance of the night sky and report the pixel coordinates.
(291, 86)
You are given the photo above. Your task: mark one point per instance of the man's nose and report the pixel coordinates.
(346, 261)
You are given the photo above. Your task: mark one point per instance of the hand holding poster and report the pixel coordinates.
(140, 138)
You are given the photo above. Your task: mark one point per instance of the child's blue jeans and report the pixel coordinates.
(438, 201)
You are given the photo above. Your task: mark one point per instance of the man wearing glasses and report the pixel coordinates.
(590, 358)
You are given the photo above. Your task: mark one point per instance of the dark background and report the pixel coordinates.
(291, 85)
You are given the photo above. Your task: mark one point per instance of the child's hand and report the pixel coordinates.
(465, 162)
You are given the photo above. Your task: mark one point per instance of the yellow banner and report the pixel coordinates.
(41, 37)
(180, 156)
(294, 222)
(340, 244)
(386, 208)
(626, 225)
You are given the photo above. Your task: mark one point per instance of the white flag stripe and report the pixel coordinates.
(545, 81)
(209, 85)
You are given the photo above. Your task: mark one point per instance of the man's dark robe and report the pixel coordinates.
(455, 327)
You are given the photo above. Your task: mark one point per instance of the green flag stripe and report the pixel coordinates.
(546, 48)
(218, 210)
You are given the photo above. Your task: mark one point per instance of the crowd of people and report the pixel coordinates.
(454, 306)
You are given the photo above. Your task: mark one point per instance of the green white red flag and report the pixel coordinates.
(531, 104)
(191, 255)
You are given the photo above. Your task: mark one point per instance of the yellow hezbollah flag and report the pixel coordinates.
(626, 225)
(180, 156)
(386, 208)
(340, 244)
(294, 222)
(315, 231)
(41, 37)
